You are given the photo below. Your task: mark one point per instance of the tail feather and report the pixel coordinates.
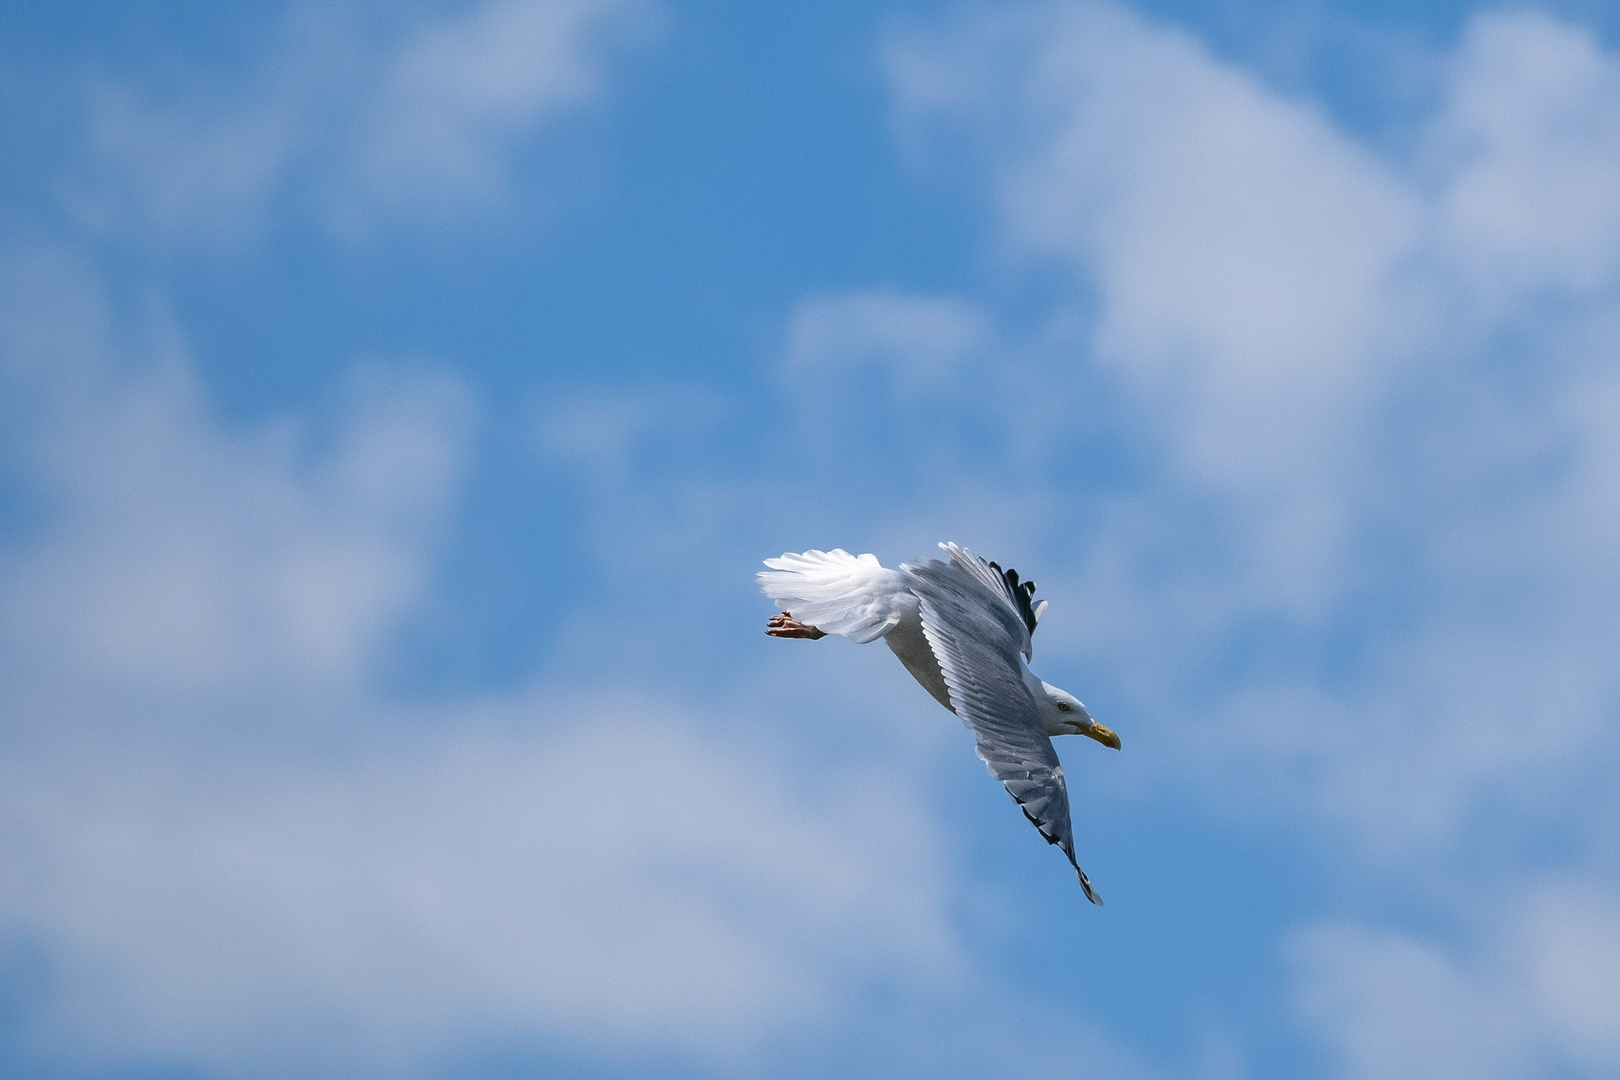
(840, 593)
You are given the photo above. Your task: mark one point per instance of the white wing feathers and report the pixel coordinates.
(840, 593)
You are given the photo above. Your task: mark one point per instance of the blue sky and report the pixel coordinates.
(396, 401)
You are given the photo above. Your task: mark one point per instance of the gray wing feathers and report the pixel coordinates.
(1002, 594)
(977, 635)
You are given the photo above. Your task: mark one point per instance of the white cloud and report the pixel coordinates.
(237, 854)
(1244, 255)
(1271, 305)
(1535, 998)
(920, 398)
(206, 171)
(456, 94)
(549, 876)
(425, 117)
(182, 557)
(922, 339)
(1367, 442)
(1294, 334)
(1394, 1006)
(601, 430)
(1529, 141)
(1571, 944)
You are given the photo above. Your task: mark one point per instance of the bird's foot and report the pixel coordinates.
(785, 625)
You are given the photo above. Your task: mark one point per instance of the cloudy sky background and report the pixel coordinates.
(396, 400)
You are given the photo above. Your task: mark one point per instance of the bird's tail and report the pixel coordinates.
(840, 593)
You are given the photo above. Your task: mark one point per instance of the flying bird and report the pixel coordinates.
(963, 629)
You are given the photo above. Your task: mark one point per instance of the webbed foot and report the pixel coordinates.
(784, 625)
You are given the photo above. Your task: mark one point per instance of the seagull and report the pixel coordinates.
(963, 629)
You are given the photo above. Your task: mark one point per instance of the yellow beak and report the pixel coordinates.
(1103, 735)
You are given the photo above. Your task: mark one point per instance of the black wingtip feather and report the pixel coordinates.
(1085, 886)
(1048, 837)
(1085, 883)
(1022, 594)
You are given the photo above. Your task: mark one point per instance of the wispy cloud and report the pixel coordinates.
(180, 556)
(1525, 154)
(1347, 459)
(242, 855)
(537, 872)
(529, 870)
(422, 117)
(1318, 437)
(1531, 1000)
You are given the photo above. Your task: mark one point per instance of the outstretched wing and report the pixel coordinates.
(839, 593)
(976, 633)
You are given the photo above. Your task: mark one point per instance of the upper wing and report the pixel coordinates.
(1003, 585)
(1023, 597)
(976, 634)
(840, 593)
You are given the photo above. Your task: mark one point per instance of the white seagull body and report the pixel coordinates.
(963, 629)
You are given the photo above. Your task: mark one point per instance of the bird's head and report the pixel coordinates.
(1064, 714)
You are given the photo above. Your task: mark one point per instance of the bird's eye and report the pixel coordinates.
(1064, 706)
